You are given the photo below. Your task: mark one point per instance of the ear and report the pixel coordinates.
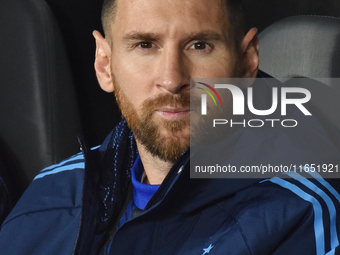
(102, 63)
(250, 54)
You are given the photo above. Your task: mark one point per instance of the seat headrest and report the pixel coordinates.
(307, 46)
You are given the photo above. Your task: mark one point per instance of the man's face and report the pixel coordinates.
(156, 47)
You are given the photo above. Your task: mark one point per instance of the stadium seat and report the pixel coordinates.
(38, 110)
(306, 46)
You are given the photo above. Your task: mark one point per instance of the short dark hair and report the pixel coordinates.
(234, 12)
(108, 15)
(237, 19)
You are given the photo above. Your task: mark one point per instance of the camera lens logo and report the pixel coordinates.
(204, 97)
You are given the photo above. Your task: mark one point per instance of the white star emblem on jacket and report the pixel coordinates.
(207, 250)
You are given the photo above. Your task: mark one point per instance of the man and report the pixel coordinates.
(137, 196)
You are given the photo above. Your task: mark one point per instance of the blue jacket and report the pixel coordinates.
(70, 207)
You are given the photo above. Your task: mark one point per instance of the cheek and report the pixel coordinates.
(133, 80)
(131, 68)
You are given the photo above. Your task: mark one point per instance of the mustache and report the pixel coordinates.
(149, 106)
(175, 101)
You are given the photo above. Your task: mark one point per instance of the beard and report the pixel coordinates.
(166, 139)
(162, 138)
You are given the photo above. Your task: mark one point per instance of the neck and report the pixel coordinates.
(155, 168)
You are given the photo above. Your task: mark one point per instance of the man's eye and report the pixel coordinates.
(145, 45)
(199, 46)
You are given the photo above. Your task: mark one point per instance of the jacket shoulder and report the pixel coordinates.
(59, 185)
(48, 213)
(292, 214)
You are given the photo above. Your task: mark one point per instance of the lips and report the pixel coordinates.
(173, 110)
(172, 113)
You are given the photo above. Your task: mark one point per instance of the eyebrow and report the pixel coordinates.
(140, 36)
(200, 36)
(206, 36)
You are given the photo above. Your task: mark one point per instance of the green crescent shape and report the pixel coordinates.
(206, 91)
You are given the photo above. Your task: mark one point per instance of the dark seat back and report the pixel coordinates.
(307, 46)
(39, 118)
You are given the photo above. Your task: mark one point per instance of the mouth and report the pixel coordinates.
(173, 113)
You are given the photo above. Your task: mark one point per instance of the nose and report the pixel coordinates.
(172, 71)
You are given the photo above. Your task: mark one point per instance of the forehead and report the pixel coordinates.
(173, 16)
